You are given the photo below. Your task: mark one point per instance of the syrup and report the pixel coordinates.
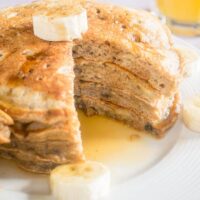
(106, 139)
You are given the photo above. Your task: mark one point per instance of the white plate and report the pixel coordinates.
(142, 169)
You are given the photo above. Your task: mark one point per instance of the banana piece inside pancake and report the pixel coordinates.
(5, 120)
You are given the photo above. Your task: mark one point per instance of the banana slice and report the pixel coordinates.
(83, 181)
(4, 134)
(191, 113)
(5, 118)
(62, 23)
(190, 58)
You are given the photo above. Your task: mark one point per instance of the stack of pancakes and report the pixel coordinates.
(37, 93)
(127, 68)
(124, 67)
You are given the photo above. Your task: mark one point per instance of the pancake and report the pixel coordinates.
(36, 92)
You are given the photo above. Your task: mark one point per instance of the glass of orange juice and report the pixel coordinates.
(182, 16)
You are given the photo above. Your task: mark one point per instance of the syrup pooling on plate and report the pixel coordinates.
(126, 152)
(112, 143)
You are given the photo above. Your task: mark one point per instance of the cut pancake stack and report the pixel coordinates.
(125, 68)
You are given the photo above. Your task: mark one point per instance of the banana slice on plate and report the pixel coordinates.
(191, 113)
(190, 58)
(83, 181)
(62, 23)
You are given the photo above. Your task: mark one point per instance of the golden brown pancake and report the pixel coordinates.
(36, 92)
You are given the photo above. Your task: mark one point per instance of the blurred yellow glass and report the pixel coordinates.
(182, 16)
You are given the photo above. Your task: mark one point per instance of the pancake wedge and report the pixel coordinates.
(38, 115)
